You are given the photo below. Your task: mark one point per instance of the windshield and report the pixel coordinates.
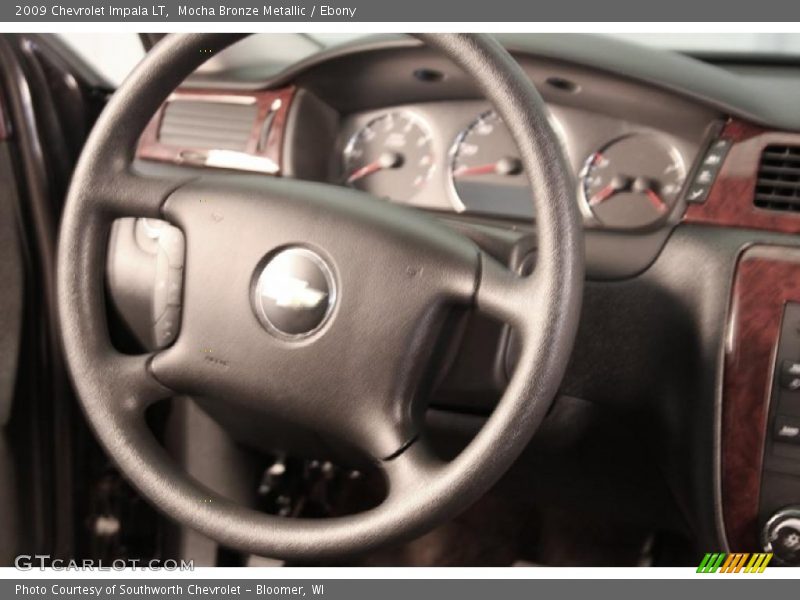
(734, 44)
(737, 44)
(114, 55)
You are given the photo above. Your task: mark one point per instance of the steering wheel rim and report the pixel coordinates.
(114, 389)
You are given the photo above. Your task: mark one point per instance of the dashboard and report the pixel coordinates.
(407, 126)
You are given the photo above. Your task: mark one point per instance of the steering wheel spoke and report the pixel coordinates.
(142, 388)
(138, 387)
(130, 194)
(411, 468)
(506, 295)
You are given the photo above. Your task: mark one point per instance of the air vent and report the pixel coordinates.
(778, 184)
(208, 125)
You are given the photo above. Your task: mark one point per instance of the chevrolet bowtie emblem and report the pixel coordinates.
(290, 292)
(294, 293)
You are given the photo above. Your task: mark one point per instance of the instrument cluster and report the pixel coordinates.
(460, 156)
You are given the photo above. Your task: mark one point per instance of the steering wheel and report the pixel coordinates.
(316, 305)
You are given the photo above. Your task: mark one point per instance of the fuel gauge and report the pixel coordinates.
(633, 182)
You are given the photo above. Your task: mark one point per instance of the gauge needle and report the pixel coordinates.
(476, 170)
(504, 166)
(618, 184)
(387, 160)
(604, 194)
(643, 184)
(656, 200)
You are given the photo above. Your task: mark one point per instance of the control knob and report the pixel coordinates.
(781, 535)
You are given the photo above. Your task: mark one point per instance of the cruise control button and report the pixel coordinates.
(787, 430)
(172, 244)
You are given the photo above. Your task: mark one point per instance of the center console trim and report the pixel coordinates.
(765, 279)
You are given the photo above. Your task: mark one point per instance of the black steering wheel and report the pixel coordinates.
(371, 281)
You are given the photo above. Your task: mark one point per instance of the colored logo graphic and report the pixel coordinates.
(734, 563)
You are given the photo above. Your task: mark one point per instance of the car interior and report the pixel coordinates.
(399, 300)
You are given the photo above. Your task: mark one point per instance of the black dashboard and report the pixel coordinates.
(394, 118)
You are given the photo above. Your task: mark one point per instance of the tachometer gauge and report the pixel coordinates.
(486, 170)
(391, 156)
(634, 181)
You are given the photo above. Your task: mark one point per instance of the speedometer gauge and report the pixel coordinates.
(391, 156)
(634, 181)
(486, 170)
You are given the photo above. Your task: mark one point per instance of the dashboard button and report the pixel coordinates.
(790, 375)
(716, 154)
(787, 430)
(707, 171)
(697, 194)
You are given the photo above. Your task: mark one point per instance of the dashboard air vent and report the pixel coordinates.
(778, 184)
(208, 125)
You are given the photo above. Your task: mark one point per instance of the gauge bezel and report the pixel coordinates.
(674, 153)
(455, 198)
(414, 116)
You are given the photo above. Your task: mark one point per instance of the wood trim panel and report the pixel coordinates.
(766, 279)
(730, 200)
(150, 148)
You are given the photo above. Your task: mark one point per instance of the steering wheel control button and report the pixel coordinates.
(294, 293)
(787, 430)
(168, 280)
(167, 325)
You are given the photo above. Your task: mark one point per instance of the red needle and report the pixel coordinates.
(375, 165)
(656, 200)
(477, 170)
(507, 165)
(603, 195)
(387, 160)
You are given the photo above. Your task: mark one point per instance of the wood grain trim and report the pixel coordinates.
(150, 148)
(766, 279)
(730, 200)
